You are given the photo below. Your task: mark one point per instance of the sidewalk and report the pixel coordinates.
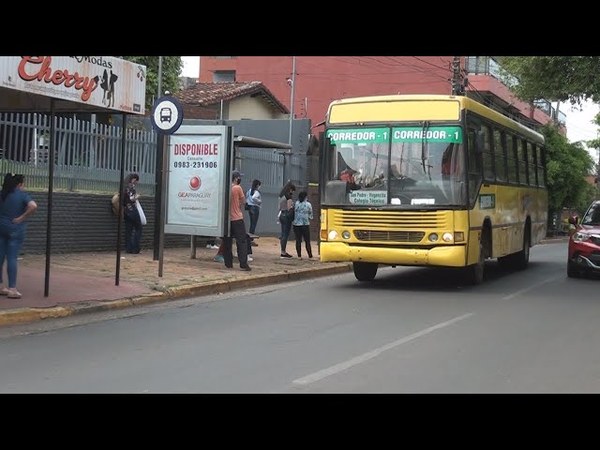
(85, 282)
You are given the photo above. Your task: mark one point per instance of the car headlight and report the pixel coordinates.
(581, 237)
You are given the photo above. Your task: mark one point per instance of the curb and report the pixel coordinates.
(557, 240)
(28, 315)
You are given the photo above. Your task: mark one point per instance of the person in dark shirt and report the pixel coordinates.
(133, 223)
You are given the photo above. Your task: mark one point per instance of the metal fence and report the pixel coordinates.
(87, 154)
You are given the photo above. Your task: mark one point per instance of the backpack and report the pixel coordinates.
(115, 203)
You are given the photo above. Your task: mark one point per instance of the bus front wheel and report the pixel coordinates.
(475, 271)
(521, 259)
(364, 271)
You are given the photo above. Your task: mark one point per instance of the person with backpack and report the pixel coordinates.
(286, 215)
(133, 221)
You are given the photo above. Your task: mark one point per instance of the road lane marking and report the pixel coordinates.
(317, 376)
(522, 291)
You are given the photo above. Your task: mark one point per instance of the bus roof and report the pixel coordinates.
(450, 106)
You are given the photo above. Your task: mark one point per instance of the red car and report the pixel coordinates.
(584, 243)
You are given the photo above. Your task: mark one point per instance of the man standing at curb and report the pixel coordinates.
(237, 227)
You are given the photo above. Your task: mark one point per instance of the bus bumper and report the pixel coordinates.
(443, 256)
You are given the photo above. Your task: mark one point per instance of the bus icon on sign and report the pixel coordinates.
(166, 114)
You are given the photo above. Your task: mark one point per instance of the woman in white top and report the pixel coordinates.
(253, 202)
(303, 214)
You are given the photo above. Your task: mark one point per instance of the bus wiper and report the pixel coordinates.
(425, 149)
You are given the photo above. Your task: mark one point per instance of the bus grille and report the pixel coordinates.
(391, 220)
(391, 226)
(396, 236)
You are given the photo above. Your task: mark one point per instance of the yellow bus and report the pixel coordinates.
(429, 180)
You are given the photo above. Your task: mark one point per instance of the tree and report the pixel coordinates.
(560, 78)
(171, 70)
(554, 78)
(567, 165)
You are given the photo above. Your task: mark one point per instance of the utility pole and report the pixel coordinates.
(458, 82)
(293, 86)
(292, 82)
(158, 176)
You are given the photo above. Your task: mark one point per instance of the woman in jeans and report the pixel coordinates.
(286, 216)
(15, 206)
(253, 202)
(303, 214)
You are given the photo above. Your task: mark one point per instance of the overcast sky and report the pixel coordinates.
(191, 66)
(580, 126)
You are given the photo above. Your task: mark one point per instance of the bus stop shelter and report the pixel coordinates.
(71, 84)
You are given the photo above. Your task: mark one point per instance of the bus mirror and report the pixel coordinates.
(335, 192)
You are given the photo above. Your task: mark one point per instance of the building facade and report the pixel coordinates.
(318, 80)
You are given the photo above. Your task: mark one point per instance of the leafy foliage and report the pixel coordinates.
(567, 166)
(554, 78)
(171, 70)
(571, 79)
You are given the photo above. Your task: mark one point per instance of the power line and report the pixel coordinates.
(458, 81)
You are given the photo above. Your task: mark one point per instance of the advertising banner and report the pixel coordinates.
(102, 81)
(198, 164)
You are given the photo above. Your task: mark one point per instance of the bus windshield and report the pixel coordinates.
(403, 165)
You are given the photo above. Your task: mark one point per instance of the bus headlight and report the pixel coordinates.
(346, 234)
(447, 237)
(333, 235)
(433, 237)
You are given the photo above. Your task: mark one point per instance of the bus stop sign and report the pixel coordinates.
(167, 115)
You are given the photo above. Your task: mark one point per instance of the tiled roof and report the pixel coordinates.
(206, 94)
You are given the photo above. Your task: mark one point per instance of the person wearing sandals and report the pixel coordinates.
(15, 206)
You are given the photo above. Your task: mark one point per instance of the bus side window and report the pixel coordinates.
(540, 166)
(531, 165)
(522, 159)
(511, 159)
(487, 155)
(474, 151)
